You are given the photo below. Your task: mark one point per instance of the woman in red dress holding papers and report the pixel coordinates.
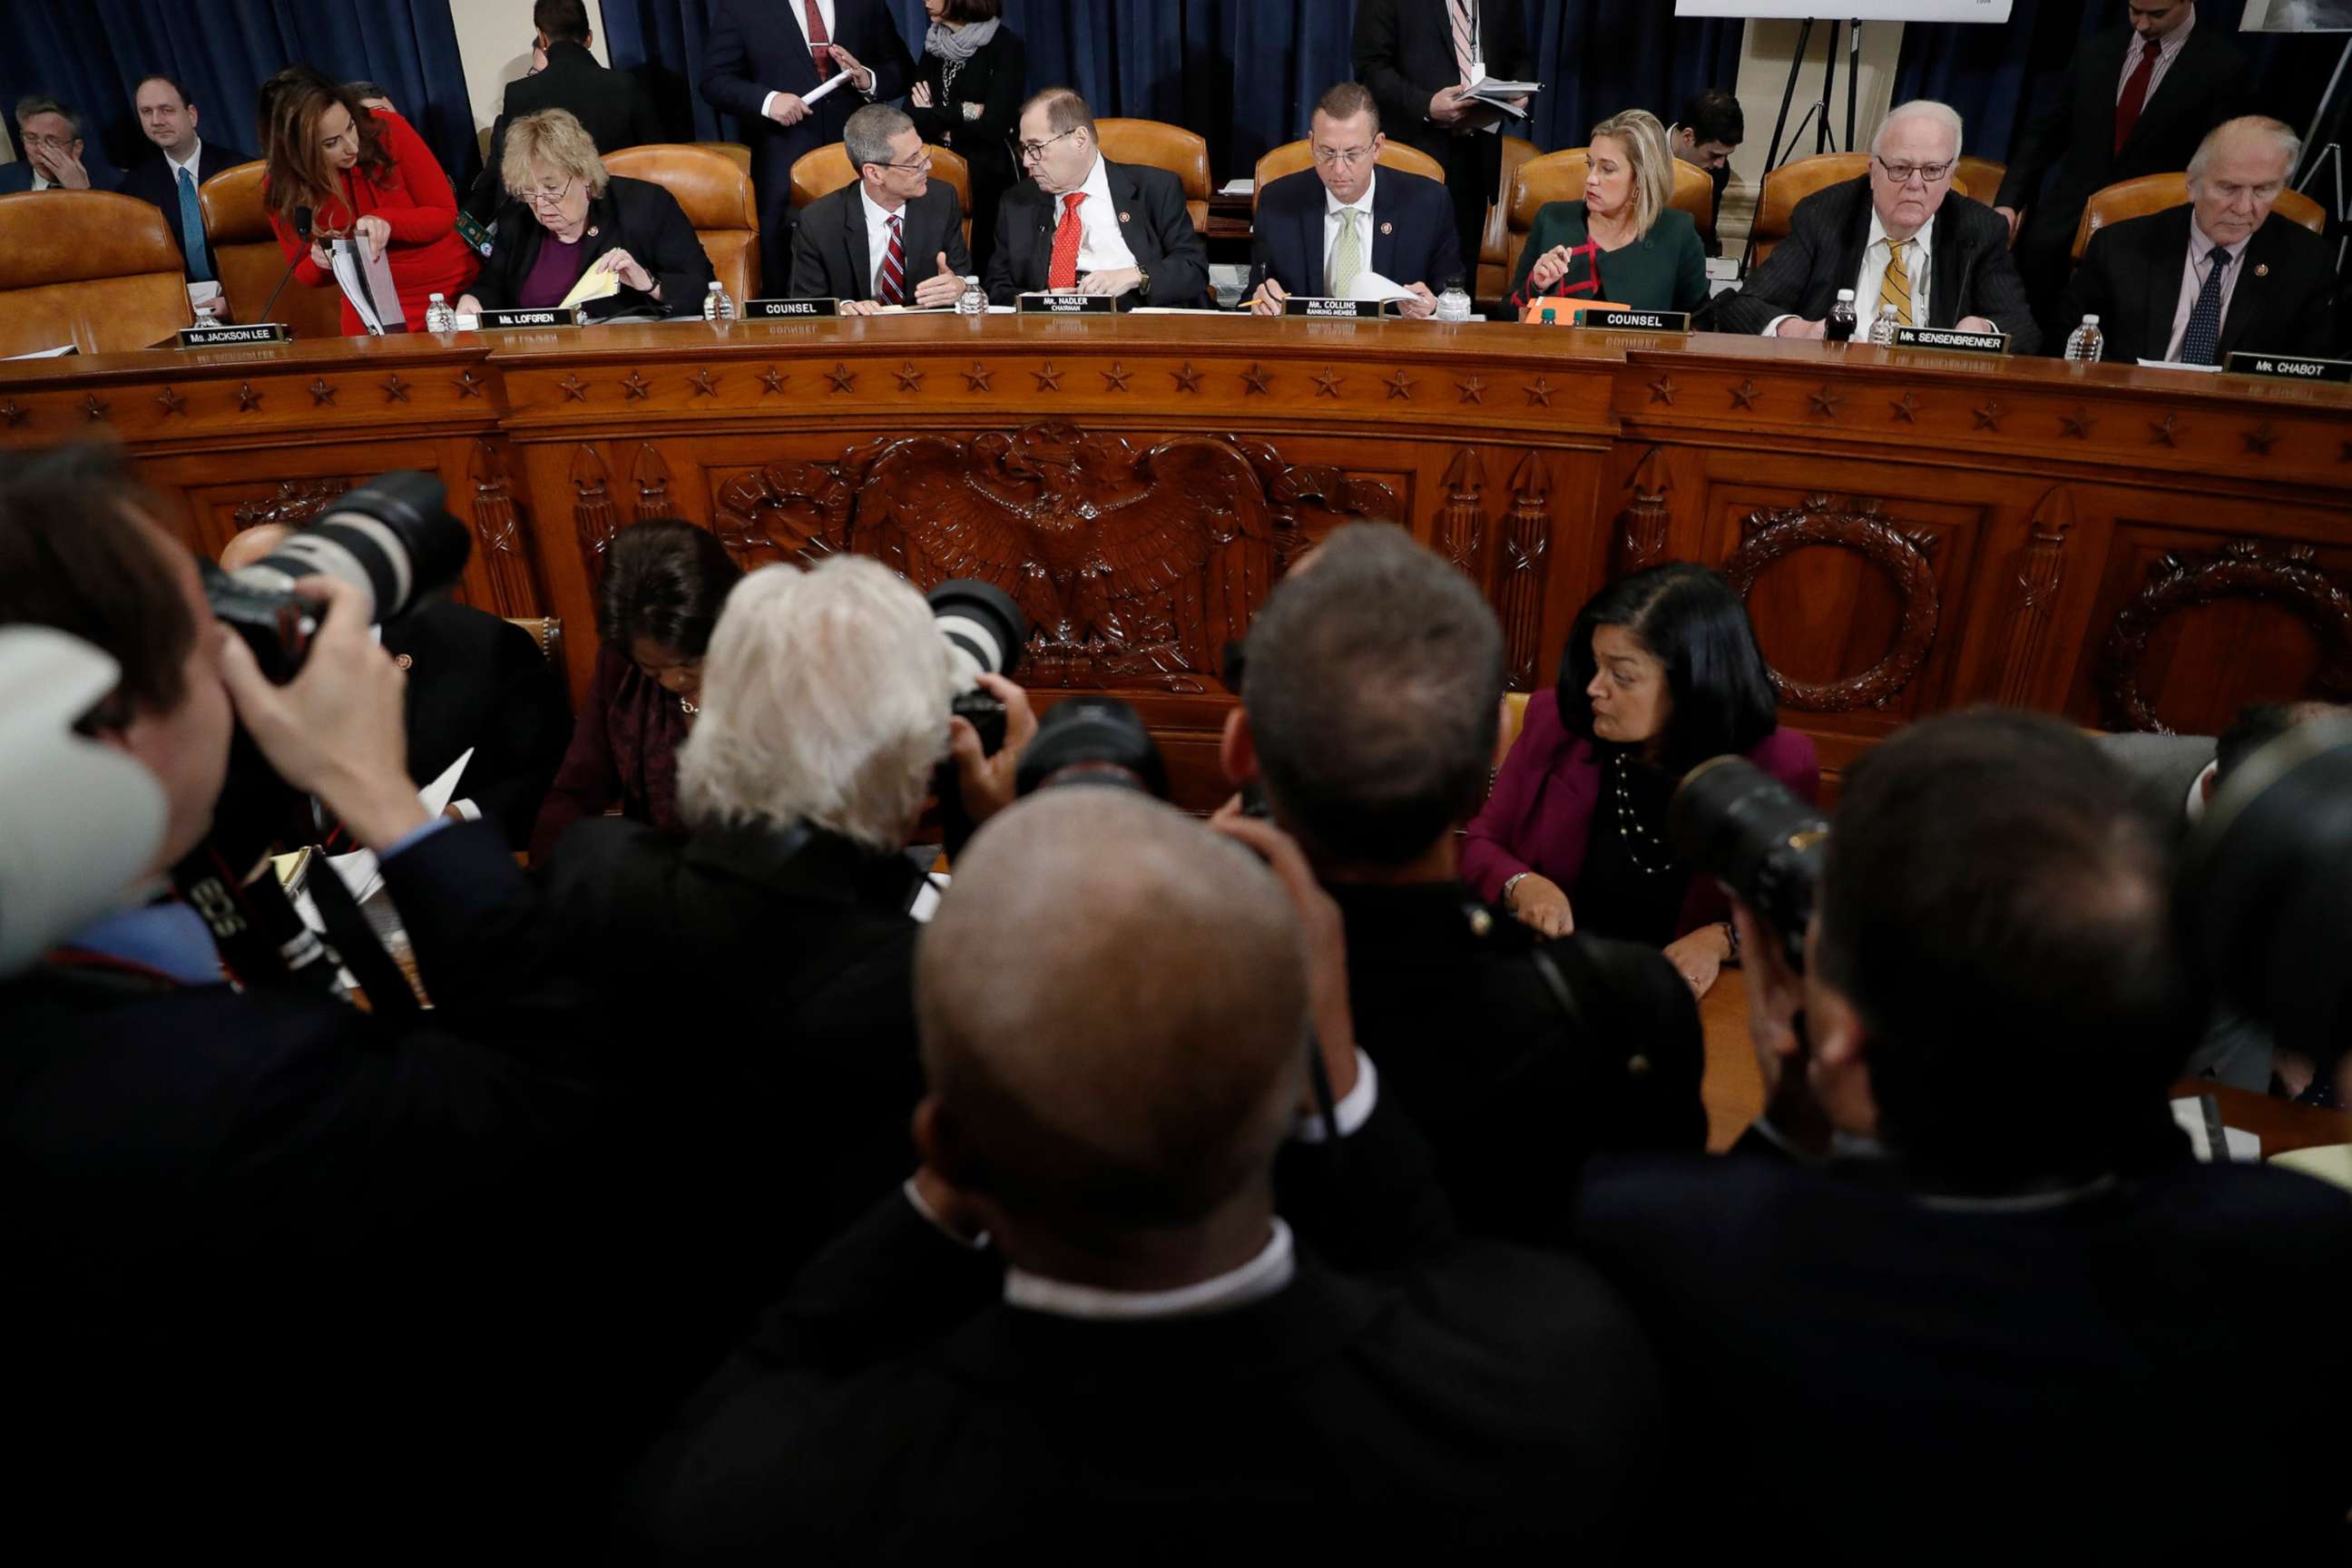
(364, 174)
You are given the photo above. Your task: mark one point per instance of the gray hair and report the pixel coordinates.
(34, 104)
(867, 135)
(1943, 114)
(825, 696)
(2280, 133)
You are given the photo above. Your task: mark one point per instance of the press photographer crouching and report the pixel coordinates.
(241, 1223)
(1998, 1314)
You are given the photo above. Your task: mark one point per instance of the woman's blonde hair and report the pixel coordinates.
(552, 140)
(1652, 162)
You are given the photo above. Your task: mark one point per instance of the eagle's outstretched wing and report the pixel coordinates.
(921, 515)
(1202, 531)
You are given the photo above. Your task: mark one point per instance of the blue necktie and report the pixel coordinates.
(192, 230)
(2204, 335)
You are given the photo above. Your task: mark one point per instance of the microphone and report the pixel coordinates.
(302, 233)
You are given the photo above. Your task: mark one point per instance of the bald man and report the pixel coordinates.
(475, 682)
(1137, 1358)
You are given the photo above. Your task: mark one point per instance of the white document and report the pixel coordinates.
(596, 283)
(1237, 187)
(363, 874)
(58, 352)
(831, 82)
(2176, 364)
(366, 282)
(2242, 1147)
(1852, 10)
(1371, 286)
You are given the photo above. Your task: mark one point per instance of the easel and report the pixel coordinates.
(2319, 158)
(1823, 141)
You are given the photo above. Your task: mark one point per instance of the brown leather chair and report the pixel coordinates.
(717, 194)
(827, 170)
(88, 268)
(1979, 178)
(547, 631)
(1790, 183)
(2157, 193)
(1494, 253)
(734, 152)
(1159, 145)
(1560, 177)
(1293, 156)
(246, 258)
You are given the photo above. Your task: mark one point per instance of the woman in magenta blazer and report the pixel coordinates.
(1660, 672)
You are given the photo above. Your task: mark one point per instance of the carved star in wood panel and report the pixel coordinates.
(1115, 378)
(1906, 407)
(15, 416)
(394, 389)
(574, 389)
(1664, 389)
(1540, 391)
(909, 378)
(93, 406)
(1048, 379)
(1327, 383)
(1187, 379)
(704, 385)
(173, 402)
(1255, 382)
(323, 392)
(468, 384)
(248, 400)
(637, 388)
(1989, 417)
(773, 380)
(1400, 385)
(2258, 440)
(843, 379)
(1745, 394)
(2165, 432)
(2078, 424)
(1825, 402)
(978, 378)
(1473, 390)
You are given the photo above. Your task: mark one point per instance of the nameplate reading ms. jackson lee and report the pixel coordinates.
(548, 318)
(1636, 321)
(258, 332)
(1945, 338)
(1068, 305)
(1345, 310)
(2291, 367)
(789, 310)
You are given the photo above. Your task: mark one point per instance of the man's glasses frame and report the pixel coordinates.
(1928, 174)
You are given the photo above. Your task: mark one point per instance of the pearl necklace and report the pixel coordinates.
(1630, 827)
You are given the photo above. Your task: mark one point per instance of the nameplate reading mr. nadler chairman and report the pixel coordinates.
(2291, 367)
(1341, 309)
(790, 310)
(1068, 305)
(1945, 338)
(1636, 321)
(547, 318)
(217, 334)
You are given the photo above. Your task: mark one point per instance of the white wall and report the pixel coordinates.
(494, 42)
(1764, 58)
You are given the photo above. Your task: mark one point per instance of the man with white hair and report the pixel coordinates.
(2193, 285)
(1900, 236)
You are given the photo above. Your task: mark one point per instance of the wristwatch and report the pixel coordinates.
(1510, 883)
(1142, 281)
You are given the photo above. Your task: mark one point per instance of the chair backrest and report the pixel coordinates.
(1790, 183)
(733, 152)
(547, 631)
(1159, 145)
(248, 262)
(827, 170)
(717, 196)
(1293, 156)
(1494, 253)
(88, 268)
(2156, 193)
(1560, 176)
(1979, 178)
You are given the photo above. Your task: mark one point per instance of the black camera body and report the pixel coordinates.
(1731, 820)
(1096, 741)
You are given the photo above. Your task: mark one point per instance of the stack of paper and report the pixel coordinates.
(1497, 94)
(366, 282)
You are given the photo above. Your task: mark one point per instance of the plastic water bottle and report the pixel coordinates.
(439, 316)
(1842, 321)
(1882, 331)
(717, 305)
(973, 301)
(1453, 305)
(2087, 342)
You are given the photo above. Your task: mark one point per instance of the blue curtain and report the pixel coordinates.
(90, 54)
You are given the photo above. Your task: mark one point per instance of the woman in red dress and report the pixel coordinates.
(364, 174)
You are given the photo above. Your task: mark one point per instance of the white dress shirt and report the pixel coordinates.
(2168, 49)
(878, 245)
(1332, 207)
(1874, 257)
(2192, 283)
(195, 156)
(1102, 248)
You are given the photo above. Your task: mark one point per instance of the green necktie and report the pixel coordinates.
(1346, 257)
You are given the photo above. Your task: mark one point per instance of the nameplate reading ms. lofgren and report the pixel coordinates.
(1636, 321)
(1945, 338)
(1068, 305)
(2291, 367)
(492, 319)
(1342, 310)
(790, 310)
(217, 334)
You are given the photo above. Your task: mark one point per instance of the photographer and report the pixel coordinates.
(1998, 1315)
(281, 1266)
(1370, 705)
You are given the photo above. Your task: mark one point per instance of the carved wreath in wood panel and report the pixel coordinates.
(1902, 554)
(2245, 569)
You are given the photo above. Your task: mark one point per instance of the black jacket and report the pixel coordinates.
(610, 104)
(1151, 218)
(1412, 239)
(831, 259)
(154, 181)
(994, 81)
(1827, 235)
(2133, 273)
(1404, 54)
(636, 215)
(475, 682)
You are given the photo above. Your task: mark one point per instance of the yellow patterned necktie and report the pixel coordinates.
(1896, 289)
(1347, 256)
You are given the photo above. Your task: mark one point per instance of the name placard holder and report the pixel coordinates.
(496, 321)
(220, 333)
(1068, 305)
(1944, 338)
(1635, 320)
(1332, 310)
(790, 310)
(2291, 367)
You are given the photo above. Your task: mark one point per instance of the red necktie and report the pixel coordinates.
(1063, 272)
(2135, 98)
(890, 289)
(819, 45)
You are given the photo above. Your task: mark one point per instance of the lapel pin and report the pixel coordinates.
(1387, 228)
(404, 661)
(1124, 218)
(2263, 269)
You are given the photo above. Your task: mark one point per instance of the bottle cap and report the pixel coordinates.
(1846, 294)
(2090, 320)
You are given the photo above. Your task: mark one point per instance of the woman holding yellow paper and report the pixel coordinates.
(569, 231)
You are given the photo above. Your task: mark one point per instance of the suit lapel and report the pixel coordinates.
(2251, 298)
(2166, 265)
(861, 256)
(1125, 198)
(1387, 198)
(1317, 280)
(1854, 236)
(1946, 273)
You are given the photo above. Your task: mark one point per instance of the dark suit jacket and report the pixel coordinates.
(1411, 240)
(2132, 276)
(1151, 218)
(18, 177)
(1827, 235)
(832, 261)
(636, 215)
(152, 180)
(994, 81)
(1404, 52)
(475, 682)
(2011, 1375)
(609, 104)
(2076, 130)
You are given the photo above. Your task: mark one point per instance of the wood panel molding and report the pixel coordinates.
(1641, 526)
(2287, 575)
(1527, 539)
(1821, 521)
(2035, 577)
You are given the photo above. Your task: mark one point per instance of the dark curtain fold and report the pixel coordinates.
(1599, 58)
(91, 53)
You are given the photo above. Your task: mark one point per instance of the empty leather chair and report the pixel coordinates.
(245, 255)
(827, 170)
(88, 268)
(2156, 193)
(1159, 145)
(1494, 253)
(716, 193)
(1560, 177)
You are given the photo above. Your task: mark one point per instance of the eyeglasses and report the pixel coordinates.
(543, 196)
(1341, 157)
(1033, 151)
(1903, 174)
(919, 163)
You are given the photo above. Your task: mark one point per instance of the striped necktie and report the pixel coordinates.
(890, 284)
(1462, 50)
(1896, 289)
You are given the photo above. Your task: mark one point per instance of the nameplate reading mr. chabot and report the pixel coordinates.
(790, 310)
(1339, 309)
(2291, 367)
(1068, 305)
(1636, 321)
(1945, 338)
(492, 319)
(217, 334)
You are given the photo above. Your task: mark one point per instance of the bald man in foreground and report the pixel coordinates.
(1084, 1333)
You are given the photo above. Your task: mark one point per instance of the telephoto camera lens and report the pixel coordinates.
(986, 630)
(1731, 820)
(1092, 740)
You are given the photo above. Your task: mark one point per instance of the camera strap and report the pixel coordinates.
(262, 940)
(389, 993)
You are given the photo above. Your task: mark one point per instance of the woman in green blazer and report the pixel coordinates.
(1621, 243)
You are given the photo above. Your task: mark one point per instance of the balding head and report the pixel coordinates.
(256, 543)
(1113, 1007)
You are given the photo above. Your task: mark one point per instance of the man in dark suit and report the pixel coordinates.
(1080, 221)
(2220, 276)
(891, 238)
(2000, 1306)
(1114, 1051)
(1320, 229)
(50, 149)
(1419, 57)
(2136, 101)
(610, 105)
(1900, 236)
(763, 56)
(184, 161)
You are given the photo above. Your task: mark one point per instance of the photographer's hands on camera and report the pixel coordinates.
(986, 782)
(1776, 1001)
(1326, 938)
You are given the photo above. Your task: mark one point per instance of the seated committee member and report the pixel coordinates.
(892, 237)
(1710, 130)
(364, 177)
(1320, 229)
(1621, 242)
(1371, 698)
(475, 684)
(663, 586)
(573, 220)
(1898, 236)
(1081, 222)
(1661, 673)
(2001, 1307)
(967, 98)
(48, 149)
(2194, 285)
(1141, 1351)
(610, 105)
(182, 161)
